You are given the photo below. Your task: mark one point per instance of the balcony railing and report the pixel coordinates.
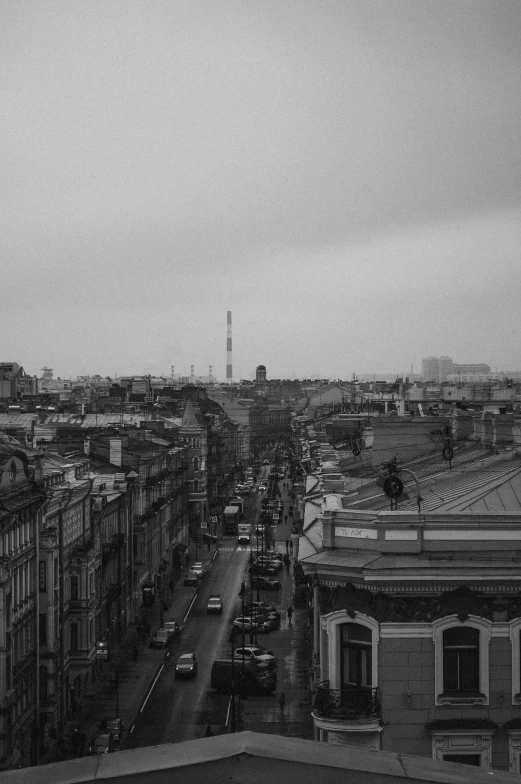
(352, 703)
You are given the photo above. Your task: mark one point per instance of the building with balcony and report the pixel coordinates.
(67, 597)
(20, 513)
(414, 583)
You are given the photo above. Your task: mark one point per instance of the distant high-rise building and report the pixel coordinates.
(478, 369)
(260, 374)
(436, 369)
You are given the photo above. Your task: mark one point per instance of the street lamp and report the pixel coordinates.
(253, 633)
(241, 594)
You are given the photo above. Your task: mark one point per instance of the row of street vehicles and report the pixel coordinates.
(251, 668)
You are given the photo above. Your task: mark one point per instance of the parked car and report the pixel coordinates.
(249, 623)
(258, 654)
(265, 583)
(267, 622)
(229, 676)
(215, 604)
(262, 488)
(191, 579)
(264, 569)
(101, 744)
(264, 560)
(115, 727)
(265, 606)
(159, 639)
(198, 568)
(186, 666)
(173, 628)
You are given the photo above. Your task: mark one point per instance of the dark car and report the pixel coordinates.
(115, 727)
(159, 639)
(263, 569)
(191, 579)
(264, 583)
(102, 744)
(186, 666)
(173, 629)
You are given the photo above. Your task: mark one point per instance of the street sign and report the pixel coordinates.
(214, 519)
(204, 525)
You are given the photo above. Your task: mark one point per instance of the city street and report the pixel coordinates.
(178, 710)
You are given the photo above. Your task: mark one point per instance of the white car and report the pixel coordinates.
(256, 653)
(262, 488)
(198, 568)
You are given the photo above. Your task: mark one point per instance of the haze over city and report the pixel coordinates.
(343, 177)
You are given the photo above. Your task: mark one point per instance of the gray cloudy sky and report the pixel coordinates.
(344, 176)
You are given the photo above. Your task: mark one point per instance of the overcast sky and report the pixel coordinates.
(343, 176)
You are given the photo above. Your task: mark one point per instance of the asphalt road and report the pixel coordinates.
(178, 710)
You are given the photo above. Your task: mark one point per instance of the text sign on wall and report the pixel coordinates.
(356, 533)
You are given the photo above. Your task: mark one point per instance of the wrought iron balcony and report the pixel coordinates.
(352, 703)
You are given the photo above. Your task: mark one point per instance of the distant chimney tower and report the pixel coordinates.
(192, 373)
(171, 371)
(229, 371)
(210, 372)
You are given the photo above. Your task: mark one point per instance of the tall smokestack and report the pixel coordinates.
(229, 371)
(192, 368)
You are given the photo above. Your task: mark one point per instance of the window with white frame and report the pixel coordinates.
(352, 657)
(461, 661)
(355, 655)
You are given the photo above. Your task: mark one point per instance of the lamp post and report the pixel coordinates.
(116, 681)
(233, 681)
(241, 594)
(253, 633)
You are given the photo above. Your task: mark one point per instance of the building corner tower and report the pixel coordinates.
(229, 371)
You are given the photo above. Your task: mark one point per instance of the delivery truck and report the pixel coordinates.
(231, 520)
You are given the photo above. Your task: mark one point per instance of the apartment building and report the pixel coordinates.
(413, 566)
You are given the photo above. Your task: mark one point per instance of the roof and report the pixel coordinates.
(253, 757)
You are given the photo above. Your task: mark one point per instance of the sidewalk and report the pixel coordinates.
(124, 699)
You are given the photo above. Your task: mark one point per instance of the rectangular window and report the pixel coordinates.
(74, 587)
(461, 660)
(356, 655)
(74, 636)
(42, 628)
(464, 759)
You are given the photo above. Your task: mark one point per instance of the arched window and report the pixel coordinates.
(196, 463)
(355, 655)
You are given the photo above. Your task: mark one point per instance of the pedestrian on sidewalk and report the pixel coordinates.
(291, 545)
(208, 732)
(285, 518)
(282, 701)
(287, 545)
(135, 653)
(290, 614)
(147, 631)
(81, 743)
(171, 586)
(187, 560)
